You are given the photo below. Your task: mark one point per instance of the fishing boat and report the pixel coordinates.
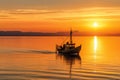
(69, 47)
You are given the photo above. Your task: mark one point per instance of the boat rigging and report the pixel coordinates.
(69, 48)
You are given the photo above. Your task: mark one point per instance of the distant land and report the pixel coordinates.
(76, 33)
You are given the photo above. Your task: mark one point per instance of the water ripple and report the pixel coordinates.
(56, 74)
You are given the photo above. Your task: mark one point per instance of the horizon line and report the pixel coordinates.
(28, 33)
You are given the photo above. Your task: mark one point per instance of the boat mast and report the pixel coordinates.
(71, 36)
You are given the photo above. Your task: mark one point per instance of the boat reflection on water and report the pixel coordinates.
(69, 60)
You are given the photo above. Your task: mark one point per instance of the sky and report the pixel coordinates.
(60, 15)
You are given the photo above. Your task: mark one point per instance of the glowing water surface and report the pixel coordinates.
(34, 58)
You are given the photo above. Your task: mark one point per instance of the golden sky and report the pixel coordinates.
(60, 15)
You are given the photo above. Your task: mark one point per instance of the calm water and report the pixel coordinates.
(34, 58)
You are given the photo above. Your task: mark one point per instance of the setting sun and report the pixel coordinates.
(95, 24)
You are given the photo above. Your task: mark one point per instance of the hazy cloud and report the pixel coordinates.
(84, 13)
(31, 12)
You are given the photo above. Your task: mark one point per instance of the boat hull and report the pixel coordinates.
(73, 51)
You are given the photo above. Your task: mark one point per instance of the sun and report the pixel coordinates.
(95, 24)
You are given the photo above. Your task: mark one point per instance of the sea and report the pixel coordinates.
(35, 58)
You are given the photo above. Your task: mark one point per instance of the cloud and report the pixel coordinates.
(6, 17)
(3, 16)
(25, 14)
(62, 15)
(31, 11)
(89, 14)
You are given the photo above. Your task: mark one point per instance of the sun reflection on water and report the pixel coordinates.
(95, 46)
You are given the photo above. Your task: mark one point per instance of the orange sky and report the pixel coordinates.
(55, 16)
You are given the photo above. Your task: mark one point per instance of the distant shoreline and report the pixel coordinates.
(20, 33)
(57, 35)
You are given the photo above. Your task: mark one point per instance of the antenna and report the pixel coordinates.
(71, 36)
